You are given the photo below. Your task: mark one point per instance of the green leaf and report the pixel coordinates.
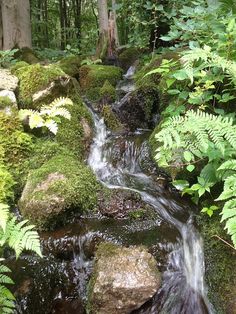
(190, 168)
(188, 156)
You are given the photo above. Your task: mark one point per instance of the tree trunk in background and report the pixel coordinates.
(1, 30)
(115, 23)
(62, 22)
(16, 24)
(77, 17)
(102, 45)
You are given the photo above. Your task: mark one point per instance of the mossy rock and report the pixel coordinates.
(220, 264)
(35, 78)
(27, 55)
(58, 187)
(94, 76)
(140, 108)
(18, 65)
(110, 119)
(6, 185)
(76, 133)
(5, 102)
(70, 65)
(108, 92)
(128, 57)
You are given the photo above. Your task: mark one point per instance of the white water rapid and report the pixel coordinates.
(183, 290)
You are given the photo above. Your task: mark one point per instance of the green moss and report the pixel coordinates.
(128, 57)
(220, 263)
(27, 55)
(5, 102)
(106, 249)
(94, 76)
(108, 92)
(34, 78)
(75, 183)
(71, 64)
(71, 132)
(110, 118)
(18, 65)
(6, 185)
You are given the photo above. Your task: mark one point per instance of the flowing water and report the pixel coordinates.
(57, 283)
(183, 289)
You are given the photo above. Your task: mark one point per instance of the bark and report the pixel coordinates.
(16, 24)
(115, 23)
(1, 30)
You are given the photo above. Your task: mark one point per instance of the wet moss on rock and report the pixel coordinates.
(71, 133)
(34, 78)
(110, 119)
(70, 65)
(108, 92)
(220, 264)
(60, 186)
(128, 57)
(92, 77)
(18, 65)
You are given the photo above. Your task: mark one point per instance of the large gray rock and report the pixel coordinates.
(123, 279)
(7, 80)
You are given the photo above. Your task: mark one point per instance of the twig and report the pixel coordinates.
(227, 243)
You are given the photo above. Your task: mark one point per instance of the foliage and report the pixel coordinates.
(18, 236)
(198, 136)
(6, 185)
(7, 57)
(48, 116)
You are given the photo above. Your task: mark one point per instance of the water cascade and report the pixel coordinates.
(183, 289)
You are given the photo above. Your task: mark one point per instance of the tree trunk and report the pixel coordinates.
(115, 23)
(102, 45)
(16, 24)
(1, 30)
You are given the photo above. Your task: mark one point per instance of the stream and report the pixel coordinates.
(57, 284)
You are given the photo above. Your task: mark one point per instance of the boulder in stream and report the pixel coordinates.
(59, 186)
(123, 279)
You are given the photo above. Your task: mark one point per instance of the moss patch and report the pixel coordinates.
(110, 119)
(70, 65)
(71, 132)
(94, 76)
(220, 263)
(128, 57)
(5, 102)
(108, 92)
(34, 78)
(17, 66)
(6, 185)
(56, 188)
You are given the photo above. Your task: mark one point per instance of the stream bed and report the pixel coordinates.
(57, 283)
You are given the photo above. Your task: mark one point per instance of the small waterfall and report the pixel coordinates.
(183, 289)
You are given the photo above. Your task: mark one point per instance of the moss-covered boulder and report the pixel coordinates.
(35, 78)
(70, 65)
(128, 56)
(110, 118)
(76, 134)
(27, 55)
(108, 93)
(123, 279)
(93, 77)
(139, 109)
(18, 65)
(58, 187)
(220, 263)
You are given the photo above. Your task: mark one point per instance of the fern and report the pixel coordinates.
(209, 59)
(6, 297)
(46, 116)
(195, 132)
(18, 236)
(208, 136)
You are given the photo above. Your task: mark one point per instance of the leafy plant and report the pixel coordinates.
(7, 57)
(18, 236)
(196, 137)
(48, 116)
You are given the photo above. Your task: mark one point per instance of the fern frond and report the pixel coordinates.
(61, 102)
(6, 297)
(4, 214)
